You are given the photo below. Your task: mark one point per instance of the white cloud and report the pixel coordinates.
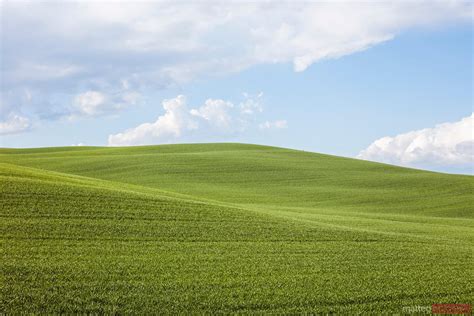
(88, 44)
(215, 118)
(215, 111)
(94, 103)
(168, 126)
(90, 102)
(13, 124)
(279, 124)
(447, 144)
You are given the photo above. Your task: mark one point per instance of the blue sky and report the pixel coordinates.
(399, 85)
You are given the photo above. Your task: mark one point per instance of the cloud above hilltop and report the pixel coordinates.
(214, 118)
(446, 144)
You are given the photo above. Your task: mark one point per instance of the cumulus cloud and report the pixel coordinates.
(172, 124)
(274, 124)
(216, 117)
(107, 45)
(14, 124)
(447, 144)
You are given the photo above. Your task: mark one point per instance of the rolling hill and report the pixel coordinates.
(228, 228)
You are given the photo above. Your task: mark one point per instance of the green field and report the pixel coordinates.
(228, 228)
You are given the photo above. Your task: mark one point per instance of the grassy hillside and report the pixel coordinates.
(228, 228)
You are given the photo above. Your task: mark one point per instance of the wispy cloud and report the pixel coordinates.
(274, 124)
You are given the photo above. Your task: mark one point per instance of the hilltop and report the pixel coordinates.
(228, 228)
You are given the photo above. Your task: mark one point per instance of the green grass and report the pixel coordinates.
(228, 228)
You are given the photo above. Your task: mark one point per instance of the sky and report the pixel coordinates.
(381, 81)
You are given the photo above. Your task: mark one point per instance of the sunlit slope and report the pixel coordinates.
(228, 228)
(264, 176)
